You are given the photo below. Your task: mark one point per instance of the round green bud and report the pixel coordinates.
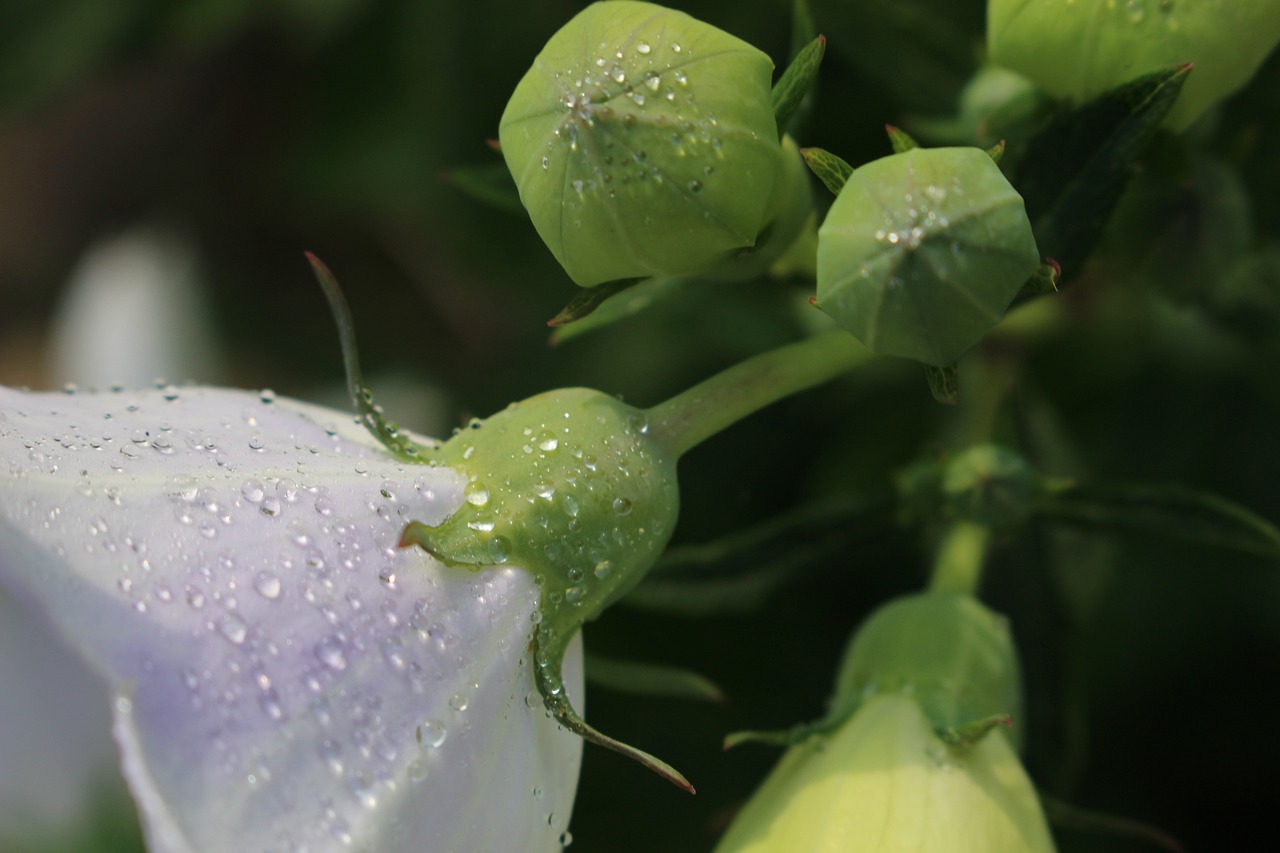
(989, 485)
(947, 650)
(643, 143)
(1078, 49)
(923, 251)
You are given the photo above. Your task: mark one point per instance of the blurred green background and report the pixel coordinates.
(262, 128)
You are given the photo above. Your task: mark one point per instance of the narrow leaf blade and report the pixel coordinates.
(1170, 511)
(796, 82)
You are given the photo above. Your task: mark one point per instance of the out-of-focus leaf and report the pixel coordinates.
(830, 169)
(726, 575)
(796, 82)
(46, 47)
(490, 184)
(944, 382)
(1064, 814)
(919, 52)
(1169, 511)
(1076, 167)
(650, 679)
(1182, 223)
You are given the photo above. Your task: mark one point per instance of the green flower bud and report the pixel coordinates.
(569, 486)
(989, 485)
(643, 142)
(1078, 49)
(915, 758)
(952, 654)
(923, 251)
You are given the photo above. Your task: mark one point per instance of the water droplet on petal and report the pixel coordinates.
(432, 733)
(331, 653)
(267, 585)
(233, 627)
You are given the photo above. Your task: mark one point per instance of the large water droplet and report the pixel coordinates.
(267, 585)
(477, 494)
(331, 653)
(233, 627)
(432, 733)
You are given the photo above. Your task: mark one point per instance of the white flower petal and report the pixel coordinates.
(144, 272)
(287, 678)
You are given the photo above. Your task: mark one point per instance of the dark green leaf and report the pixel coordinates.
(796, 82)
(490, 184)
(647, 679)
(830, 169)
(1168, 511)
(1074, 170)
(944, 382)
(1064, 814)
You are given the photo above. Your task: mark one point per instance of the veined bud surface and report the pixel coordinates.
(923, 251)
(1078, 49)
(643, 142)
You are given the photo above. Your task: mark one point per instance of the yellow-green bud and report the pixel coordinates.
(1078, 49)
(917, 758)
(643, 142)
(885, 781)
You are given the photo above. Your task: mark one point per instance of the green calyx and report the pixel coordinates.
(948, 651)
(569, 486)
(643, 142)
(923, 251)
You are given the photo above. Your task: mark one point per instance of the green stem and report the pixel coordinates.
(689, 418)
(958, 566)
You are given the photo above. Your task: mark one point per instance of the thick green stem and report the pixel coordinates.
(690, 418)
(958, 566)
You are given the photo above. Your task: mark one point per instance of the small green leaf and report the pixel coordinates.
(796, 82)
(1044, 279)
(900, 140)
(1168, 511)
(1075, 169)
(589, 299)
(623, 303)
(491, 184)
(944, 382)
(647, 679)
(830, 169)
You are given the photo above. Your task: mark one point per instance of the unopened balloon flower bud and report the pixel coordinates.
(923, 251)
(914, 756)
(643, 143)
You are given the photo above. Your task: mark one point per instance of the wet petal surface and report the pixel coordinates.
(285, 677)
